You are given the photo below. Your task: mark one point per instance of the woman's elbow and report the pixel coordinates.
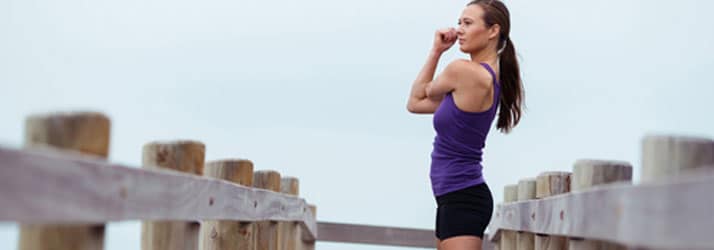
(411, 108)
(419, 110)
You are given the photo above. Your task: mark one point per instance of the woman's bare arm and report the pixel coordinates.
(419, 102)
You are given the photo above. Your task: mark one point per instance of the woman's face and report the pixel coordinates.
(473, 33)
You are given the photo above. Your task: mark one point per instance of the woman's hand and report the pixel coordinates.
(444, 39)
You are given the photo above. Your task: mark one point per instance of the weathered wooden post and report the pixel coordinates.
(665, 157)
(508, 238)
(228, 234)
(590, 173)
(183, 156)
(309, 245)
(267, 232)
(83, 132)
(289, 231)
(526, 191)
(550, 184)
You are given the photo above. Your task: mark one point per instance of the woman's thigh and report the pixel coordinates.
(461, 243)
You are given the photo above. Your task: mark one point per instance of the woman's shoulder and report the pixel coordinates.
(470, 72)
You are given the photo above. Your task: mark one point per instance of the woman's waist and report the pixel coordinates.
(472, 195)
(463, 147)
(448, 169)
(456, 156)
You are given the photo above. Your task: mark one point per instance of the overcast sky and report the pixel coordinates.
(317, 89)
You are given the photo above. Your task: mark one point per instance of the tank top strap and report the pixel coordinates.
(493, 73)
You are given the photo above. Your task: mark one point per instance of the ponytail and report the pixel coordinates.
(512, 94)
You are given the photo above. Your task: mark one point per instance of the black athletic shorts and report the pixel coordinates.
(464, 212)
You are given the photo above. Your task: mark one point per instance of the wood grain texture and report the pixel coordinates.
(588, 173)
(551, 243)
(289, 231)
(622, 213)
(267, 179)
(177, 235)
(525, 240)
(550, 184)
(290, 185)
(75, 189)
(86, 133)
(508, 240)
(61, 237)
(385, 236)
(308, 244)
(238, 171)
(526, 191)
(510, 193)
(184, 156)
(267, 233)
(228, 234)
(593, 245)
(181, 156)
(666, 156)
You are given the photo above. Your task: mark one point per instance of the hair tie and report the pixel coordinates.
(505, 43)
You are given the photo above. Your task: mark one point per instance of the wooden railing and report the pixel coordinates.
(597, 207)
(61, 190)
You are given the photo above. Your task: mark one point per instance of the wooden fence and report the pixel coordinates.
(62, 192)
(596, 206)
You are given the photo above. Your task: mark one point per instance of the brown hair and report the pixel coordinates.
(512, 94)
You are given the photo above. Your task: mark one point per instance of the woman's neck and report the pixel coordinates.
(484, 56)
(487, 54)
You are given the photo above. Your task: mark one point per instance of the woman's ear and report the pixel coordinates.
(494, 31)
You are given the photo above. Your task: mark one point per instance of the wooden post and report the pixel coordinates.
(526, 191)
(267, 232)
(510, 193)
(309, 245)
(83, 132)
(183, 156)
(289, 231)
(590, 173)
(508, 238)
(549, 184)
(228, 234)
(664, 157)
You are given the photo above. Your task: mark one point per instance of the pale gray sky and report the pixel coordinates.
(317, 89)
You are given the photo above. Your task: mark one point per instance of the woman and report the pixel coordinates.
(464, 99)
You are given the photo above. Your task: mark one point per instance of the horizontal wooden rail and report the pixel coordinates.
(672, 214)
(55, 186)
(382, 236)
(385, 236)
(51, 186)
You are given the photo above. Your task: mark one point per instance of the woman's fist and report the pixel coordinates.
(444, 39)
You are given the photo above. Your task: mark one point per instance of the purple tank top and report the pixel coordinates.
(460, 139)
